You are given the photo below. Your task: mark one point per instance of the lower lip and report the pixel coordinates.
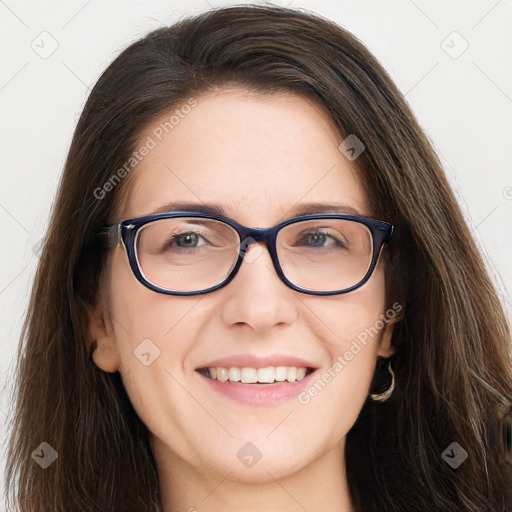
(258, 393)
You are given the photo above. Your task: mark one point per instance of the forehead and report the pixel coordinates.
(256, 156)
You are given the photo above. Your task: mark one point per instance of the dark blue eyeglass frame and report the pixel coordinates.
(126, 231)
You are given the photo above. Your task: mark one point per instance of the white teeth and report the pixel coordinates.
(291, 374)
(266, 374)
(249, 375)
(301, 373)
(281, 373)
(234, 374)
(222, 374)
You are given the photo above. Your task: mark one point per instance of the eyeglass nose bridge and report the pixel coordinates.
(250, 236)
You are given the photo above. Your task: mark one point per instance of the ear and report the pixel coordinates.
(385, 348)
(104, 346)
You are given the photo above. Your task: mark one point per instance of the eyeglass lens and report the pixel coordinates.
(192, 254)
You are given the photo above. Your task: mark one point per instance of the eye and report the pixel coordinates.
(318, 238)
(188, 239)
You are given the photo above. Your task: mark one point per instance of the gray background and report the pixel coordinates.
(451, 59)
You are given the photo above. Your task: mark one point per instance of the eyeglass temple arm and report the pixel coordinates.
(109, 236)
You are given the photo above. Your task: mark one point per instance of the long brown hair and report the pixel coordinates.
(453, 362)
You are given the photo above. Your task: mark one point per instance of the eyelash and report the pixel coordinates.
(176, 237)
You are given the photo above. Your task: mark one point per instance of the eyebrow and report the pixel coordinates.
(300, 209)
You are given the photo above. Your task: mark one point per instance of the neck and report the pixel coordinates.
(186, 487)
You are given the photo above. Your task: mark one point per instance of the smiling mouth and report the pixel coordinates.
(249, 375)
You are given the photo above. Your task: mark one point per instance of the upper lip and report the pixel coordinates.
(255, 361)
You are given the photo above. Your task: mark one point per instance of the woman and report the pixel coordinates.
(258, 292)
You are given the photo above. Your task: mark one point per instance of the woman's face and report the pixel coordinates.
(259, 158)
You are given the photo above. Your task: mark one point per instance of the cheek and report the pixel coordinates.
(140, 314)
(152, 336)
(352, 326)
(153, 346)
(355, 316)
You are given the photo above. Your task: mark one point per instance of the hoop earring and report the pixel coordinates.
(382, 397)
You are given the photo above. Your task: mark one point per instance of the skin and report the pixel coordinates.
(258, 157)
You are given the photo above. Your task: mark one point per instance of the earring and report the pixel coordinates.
(382, 397)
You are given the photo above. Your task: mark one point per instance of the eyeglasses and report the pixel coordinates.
(189, 253)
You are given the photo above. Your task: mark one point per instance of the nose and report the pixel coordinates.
(256, 296)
